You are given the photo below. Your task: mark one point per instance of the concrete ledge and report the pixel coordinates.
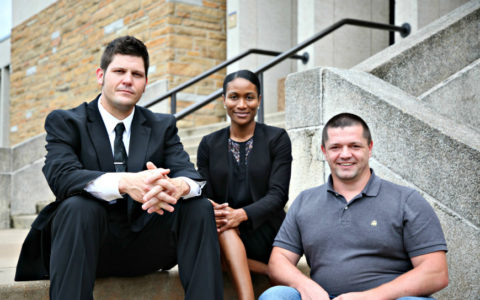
(28, 151)
(5, 194)
(458, 97)
(5, 160)
(432, 54)
(159, 285)
(415, 142)
(29, 186)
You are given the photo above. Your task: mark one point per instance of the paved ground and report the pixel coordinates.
(10, 243)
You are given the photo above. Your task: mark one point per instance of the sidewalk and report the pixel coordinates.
(10, 244)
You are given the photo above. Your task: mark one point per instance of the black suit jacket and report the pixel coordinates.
(268, 172)
(79, 150)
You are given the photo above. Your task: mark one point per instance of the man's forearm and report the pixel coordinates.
(284, 273)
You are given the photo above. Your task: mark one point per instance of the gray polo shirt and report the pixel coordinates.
(362, 244)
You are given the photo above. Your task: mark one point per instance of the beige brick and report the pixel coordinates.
(205, 62)
(134, 17)
(215, 35)
(207, 43)
(201, 24)
(162, 31)
(189, 31)
(174, 20)
(180, 41)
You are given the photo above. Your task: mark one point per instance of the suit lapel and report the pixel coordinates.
(220, 150)
(256, 157)
(99, 137)
(139, 138)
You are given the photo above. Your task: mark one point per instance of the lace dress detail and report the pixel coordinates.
(234, 148)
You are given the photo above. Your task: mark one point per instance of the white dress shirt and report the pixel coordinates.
(106, 186)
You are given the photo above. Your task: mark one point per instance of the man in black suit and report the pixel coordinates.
(116, 213)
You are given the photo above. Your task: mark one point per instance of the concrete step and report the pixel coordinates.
(159, 285)
(276, 117)
(201, 130)
(194, 139)
(184, 133)
(41, 205)
(458, 97)
(432, 54)
(23, 221)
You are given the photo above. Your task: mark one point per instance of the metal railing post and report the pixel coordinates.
(261, 107)
(173, 103)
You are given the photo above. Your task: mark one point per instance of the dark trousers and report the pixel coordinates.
(91, 239)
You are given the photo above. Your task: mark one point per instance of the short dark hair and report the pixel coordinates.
(344, 120)
(126, 45)
(245, 74)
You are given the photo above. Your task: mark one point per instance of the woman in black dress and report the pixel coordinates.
(247, 167)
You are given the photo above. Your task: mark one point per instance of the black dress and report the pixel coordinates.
(258, 242)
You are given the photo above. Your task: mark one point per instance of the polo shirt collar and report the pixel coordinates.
(371, 189)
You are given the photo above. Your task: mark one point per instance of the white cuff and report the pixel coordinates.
(105, 187)
(195, 187)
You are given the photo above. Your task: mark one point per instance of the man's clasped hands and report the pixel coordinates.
(153, 188)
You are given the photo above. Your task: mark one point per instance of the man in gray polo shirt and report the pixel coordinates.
(363, 237)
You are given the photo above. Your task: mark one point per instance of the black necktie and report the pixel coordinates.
(120, 160)
(119, 153)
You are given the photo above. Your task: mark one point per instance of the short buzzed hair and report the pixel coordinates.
(344, 120)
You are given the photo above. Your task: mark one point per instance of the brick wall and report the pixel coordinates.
(56, 52)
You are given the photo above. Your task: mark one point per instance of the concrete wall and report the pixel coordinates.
(4, 92)
(348, 45)
(266, 24)
(419, 13)
(21, 179)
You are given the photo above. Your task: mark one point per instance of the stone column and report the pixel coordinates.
(266, 24)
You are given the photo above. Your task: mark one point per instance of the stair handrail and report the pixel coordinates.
(173, 92)
(404, 30)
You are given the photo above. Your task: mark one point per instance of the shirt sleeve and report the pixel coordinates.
(422, 231)
(105, 187)
(289, 236)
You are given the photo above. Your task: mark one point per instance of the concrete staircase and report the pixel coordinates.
(421, 99)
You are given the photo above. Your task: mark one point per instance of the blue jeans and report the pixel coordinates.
(281, 292)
